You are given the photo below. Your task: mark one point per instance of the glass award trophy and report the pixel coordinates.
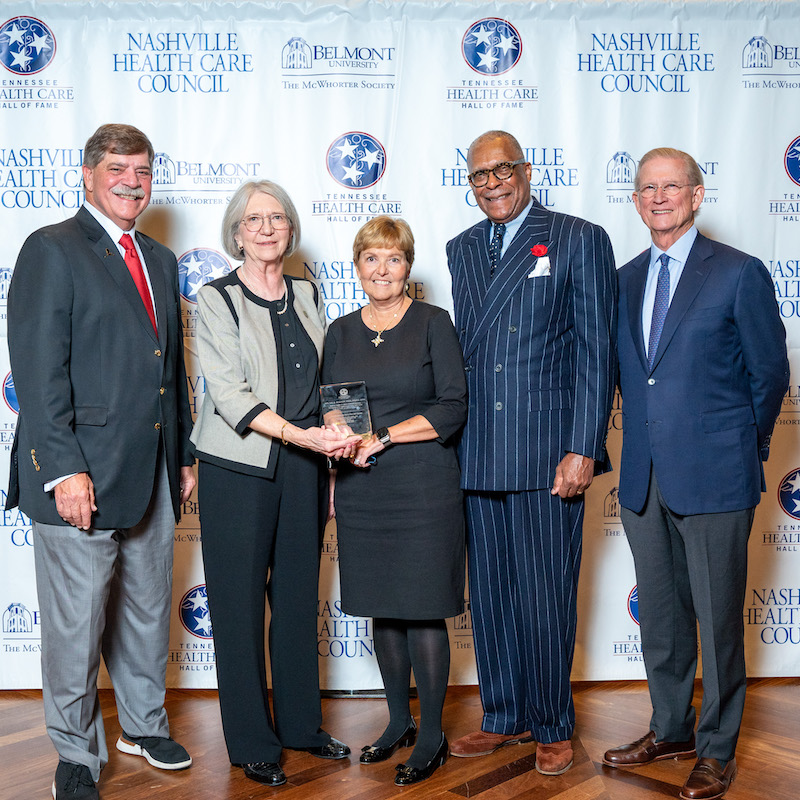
(345, 406)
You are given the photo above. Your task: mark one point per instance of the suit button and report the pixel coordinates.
(157, 426)
(468, 368)
(512, 328)
(157, 353)
(498, 367)
(498, 406)
(161, 390)
(651, 381)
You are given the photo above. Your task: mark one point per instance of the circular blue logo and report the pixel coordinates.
(356, 160)
(791, 160)
(633, 604)
(491, 46)
(197, 267)
(789, 493)
(10, 393)
(27, 45)
(194, 612)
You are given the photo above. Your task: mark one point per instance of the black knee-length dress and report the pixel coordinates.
(400, 523)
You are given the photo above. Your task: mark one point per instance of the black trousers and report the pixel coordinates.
(261, 540)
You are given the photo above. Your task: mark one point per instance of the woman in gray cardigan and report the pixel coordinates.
(259, 339)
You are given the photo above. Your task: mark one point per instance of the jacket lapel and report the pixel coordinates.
(692, 279)
(635, 293)
(108, 253)
(514, 267)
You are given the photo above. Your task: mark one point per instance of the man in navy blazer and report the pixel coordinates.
(703, 370)
(101, 459)
(534, 294)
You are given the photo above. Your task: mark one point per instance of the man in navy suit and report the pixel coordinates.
(534, 294)
(703, 369)
(101, 459)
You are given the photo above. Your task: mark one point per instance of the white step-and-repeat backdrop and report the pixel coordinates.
(361, 108)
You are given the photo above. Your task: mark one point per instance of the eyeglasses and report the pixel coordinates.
(669, 189)
(502, 171)
(255, 222)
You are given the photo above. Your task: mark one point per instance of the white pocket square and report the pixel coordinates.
(541, 269)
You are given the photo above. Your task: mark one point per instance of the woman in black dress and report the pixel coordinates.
(399, 508)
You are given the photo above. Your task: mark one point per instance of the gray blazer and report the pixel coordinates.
(239, 360)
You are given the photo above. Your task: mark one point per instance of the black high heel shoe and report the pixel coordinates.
(372, 754)
(408, 775)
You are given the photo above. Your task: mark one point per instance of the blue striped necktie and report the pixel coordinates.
(660, 308)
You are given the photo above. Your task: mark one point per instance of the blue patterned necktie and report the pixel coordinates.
(495, 247)
(660, 308)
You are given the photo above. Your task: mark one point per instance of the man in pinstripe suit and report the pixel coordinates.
(534, 294)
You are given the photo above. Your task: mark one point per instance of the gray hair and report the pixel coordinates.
(235, 211)
(503, 136)
(124, 140)
(693, 173)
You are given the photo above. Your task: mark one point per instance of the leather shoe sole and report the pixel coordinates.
(481, 743)
(646, 750)
(708, 780)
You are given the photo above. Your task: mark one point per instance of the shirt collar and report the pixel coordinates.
(110, 227)
(679, 250)
(514, 225)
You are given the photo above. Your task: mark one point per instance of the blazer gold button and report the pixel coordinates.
(161, 390)
(157, 353)
(157, 426)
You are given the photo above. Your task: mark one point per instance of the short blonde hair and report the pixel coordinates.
(385, 232)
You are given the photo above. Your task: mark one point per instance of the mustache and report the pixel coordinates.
(126, 191)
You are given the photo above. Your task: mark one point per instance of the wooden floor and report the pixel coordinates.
(608, 714)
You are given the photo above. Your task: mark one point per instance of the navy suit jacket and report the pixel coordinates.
(704, 416)
(98, 391)
(539, 352)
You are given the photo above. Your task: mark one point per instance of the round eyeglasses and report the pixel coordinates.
(502, 171)
(255, 222)
(669, 189)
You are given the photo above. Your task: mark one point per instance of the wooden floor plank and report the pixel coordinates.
(608, 714)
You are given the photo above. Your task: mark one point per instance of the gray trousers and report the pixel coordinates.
(105, 592)
(691, 572)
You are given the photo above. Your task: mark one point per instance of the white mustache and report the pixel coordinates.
(125, 191)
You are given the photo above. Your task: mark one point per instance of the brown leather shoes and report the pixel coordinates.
(481, 743)
(708, 780)
(647, 750)
(553, 758)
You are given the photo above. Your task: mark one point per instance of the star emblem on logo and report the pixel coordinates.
(194, 612)
(198, 267)
(491, 46)
(356, 160)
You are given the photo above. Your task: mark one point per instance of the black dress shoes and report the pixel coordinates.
(372, 753)
(334, 750)
(408, 775)
(264, 772)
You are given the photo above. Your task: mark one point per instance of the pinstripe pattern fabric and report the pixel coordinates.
(539, 352)
(524, 556)
(540, 360)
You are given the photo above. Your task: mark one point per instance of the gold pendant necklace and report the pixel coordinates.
(378, 340)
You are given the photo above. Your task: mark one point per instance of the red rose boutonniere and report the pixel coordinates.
(542, 267)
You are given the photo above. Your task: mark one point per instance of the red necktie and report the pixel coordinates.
(134, 265)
